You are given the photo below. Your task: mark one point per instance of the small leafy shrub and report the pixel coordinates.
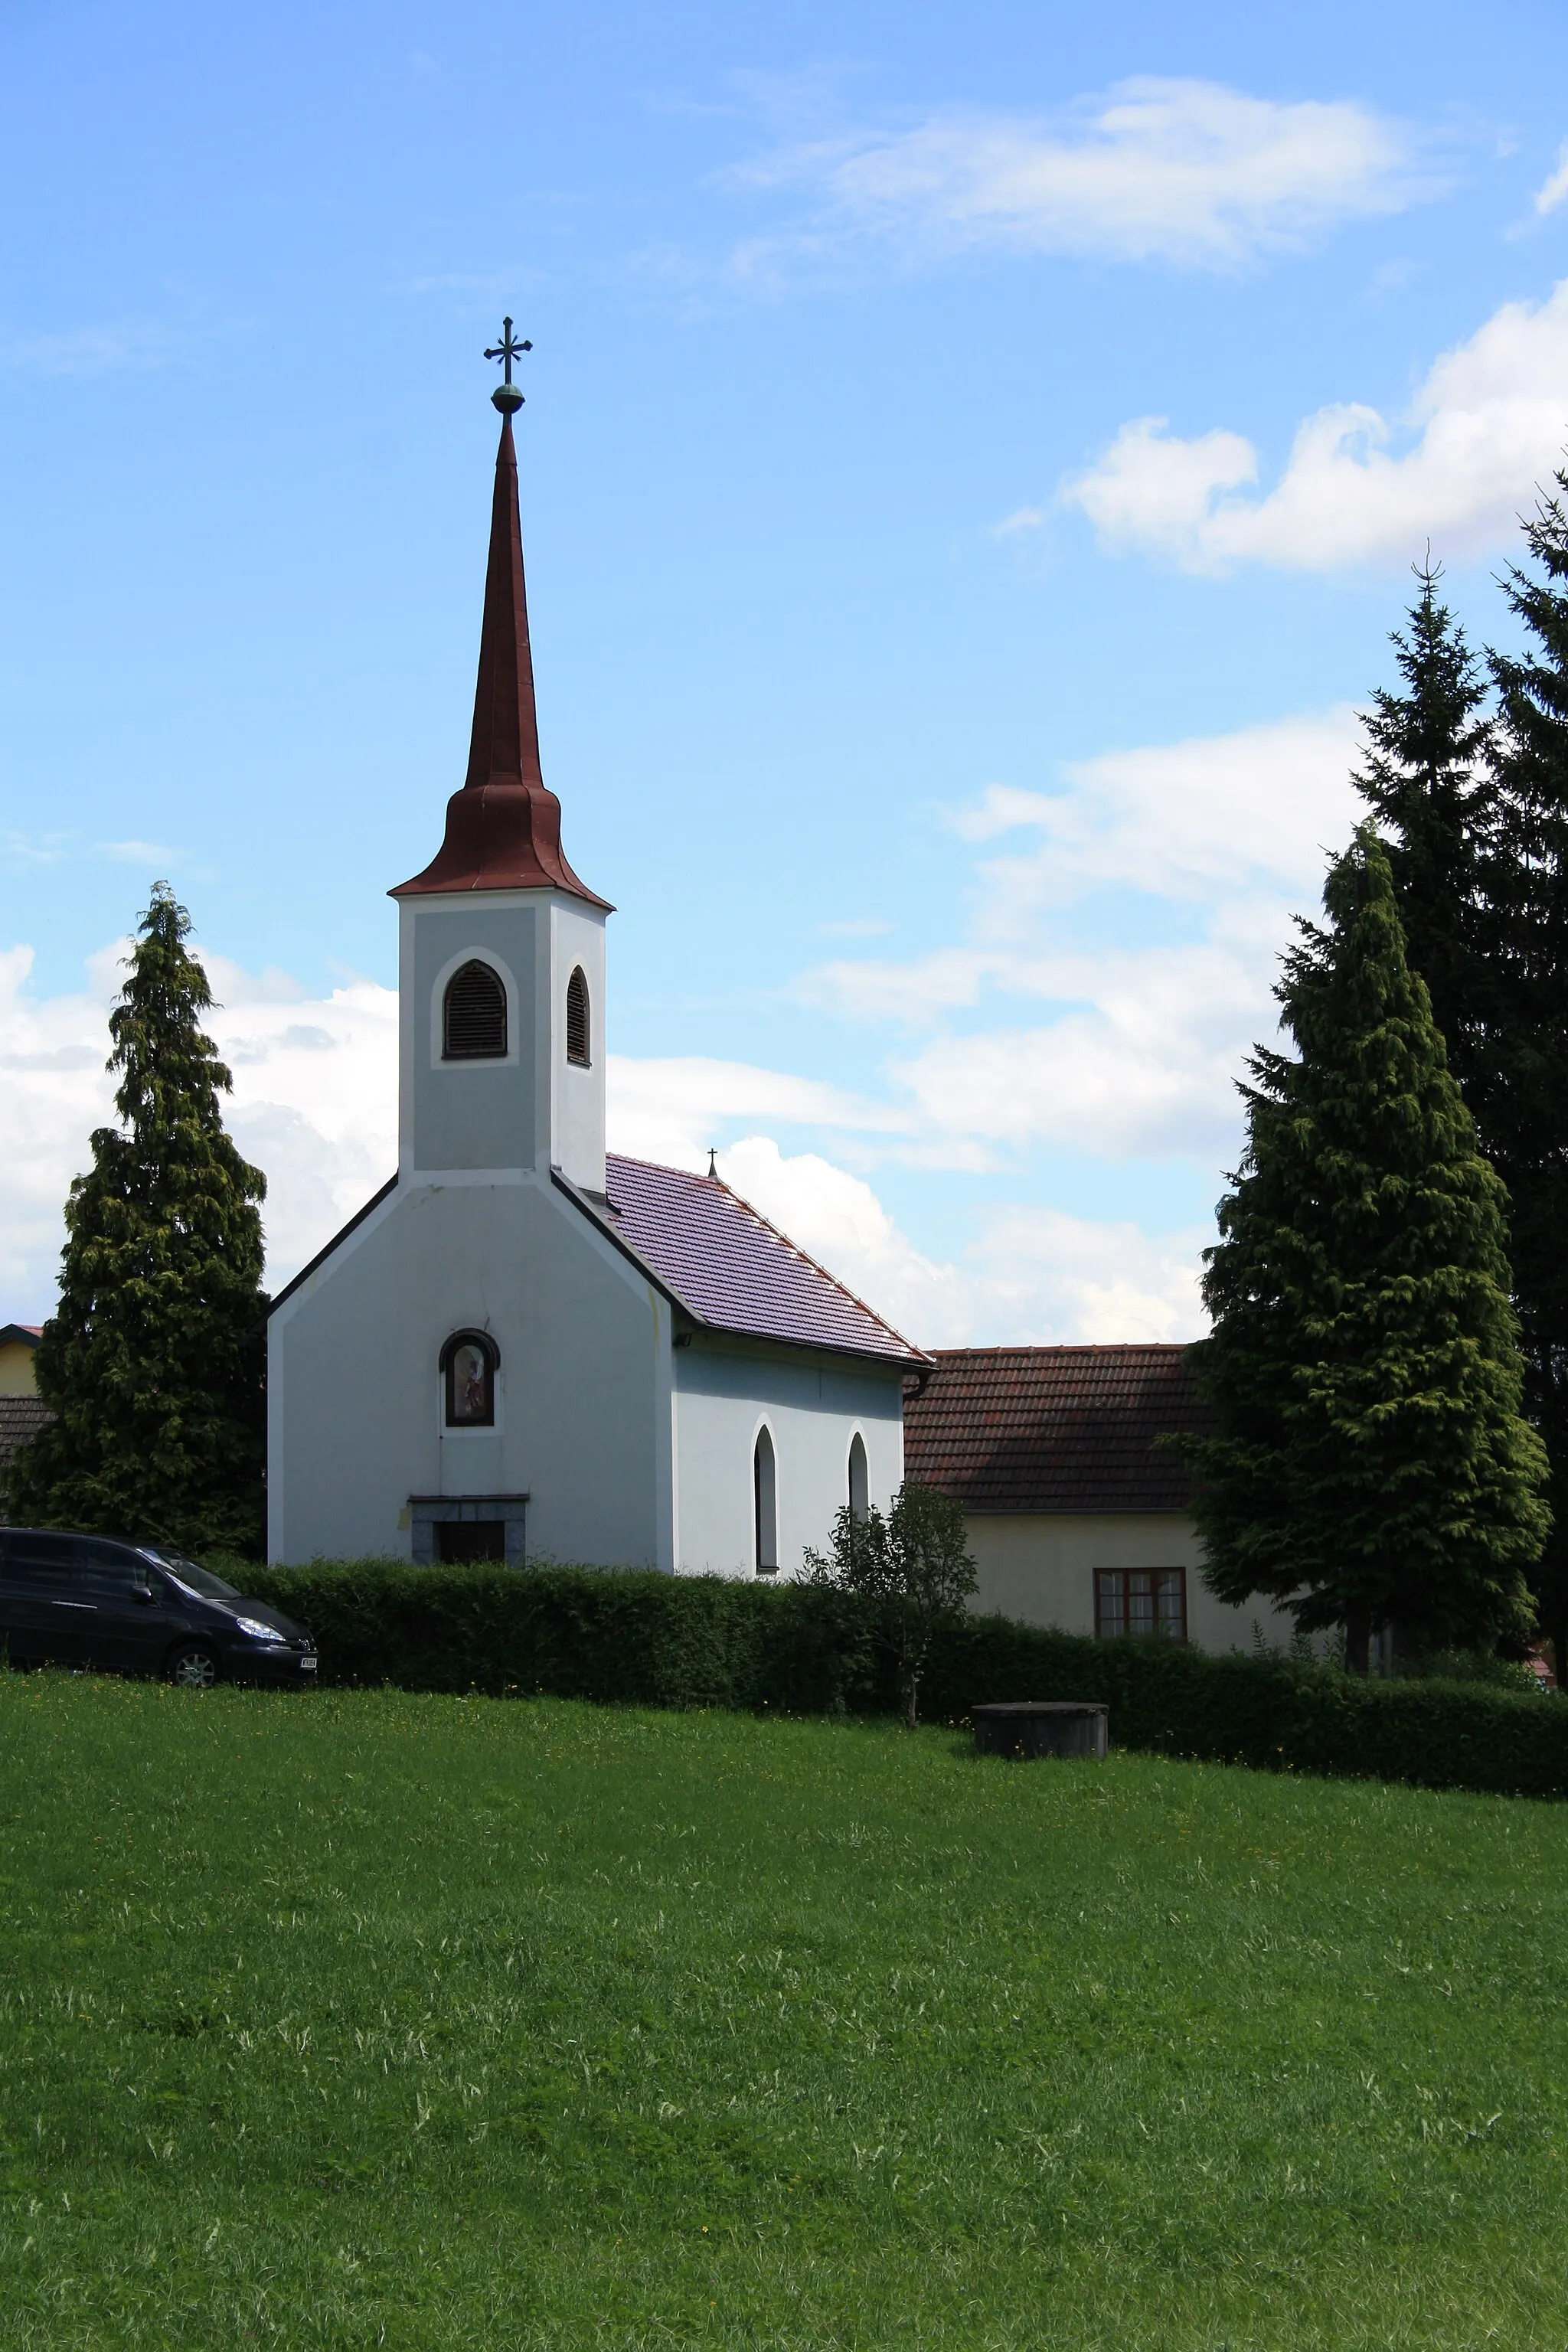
(634, 1638)
(913, 1566)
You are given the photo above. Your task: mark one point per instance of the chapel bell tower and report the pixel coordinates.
(501, 947)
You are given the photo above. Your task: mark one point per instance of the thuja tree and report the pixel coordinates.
(1371, 1464)
(912, 1564)
(151, 1365)
(1524, 1111)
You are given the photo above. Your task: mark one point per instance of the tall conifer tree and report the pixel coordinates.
(1427, 783)
(1524, 1111)
(152, 1364)
(1371, 1464)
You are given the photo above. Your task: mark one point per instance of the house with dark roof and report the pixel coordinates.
(23, 1412)
(1077, 1505)
(524, 1347)
(18, 1346)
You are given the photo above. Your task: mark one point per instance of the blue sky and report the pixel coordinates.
(971, 462)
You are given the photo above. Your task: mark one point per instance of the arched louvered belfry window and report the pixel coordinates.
(764, 1494)
(859, 1485)
(469, 1362)
(473, 1014)
(579, 1028)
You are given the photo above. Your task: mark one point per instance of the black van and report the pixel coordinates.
(83, 1601)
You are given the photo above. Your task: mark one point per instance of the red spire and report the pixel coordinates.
(503, 829)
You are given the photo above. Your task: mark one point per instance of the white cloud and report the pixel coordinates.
(1032, 1275)
(1123, 1051)
(1146, 1067)
(314, 1105)
(314, 1101)
(54, 1093)
(1158, 170)
(1127, 1051)
(1180, 820)
(1133, 1049)
(1487, 426)
(672, 1109)
(1553, 190)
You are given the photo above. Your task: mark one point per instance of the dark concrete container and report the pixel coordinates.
(1041, 1727)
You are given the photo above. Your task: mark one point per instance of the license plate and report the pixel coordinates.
(307, 1666)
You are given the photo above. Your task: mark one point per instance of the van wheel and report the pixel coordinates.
(193, 1668)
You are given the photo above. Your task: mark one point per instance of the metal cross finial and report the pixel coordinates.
(507, 349)
(506, 397)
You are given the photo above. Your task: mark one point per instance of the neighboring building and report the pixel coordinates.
(22, 1409)
(522, 1348)
(18, 1346)
(1077, 1516)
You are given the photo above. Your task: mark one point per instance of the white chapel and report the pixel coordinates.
(526, 1348)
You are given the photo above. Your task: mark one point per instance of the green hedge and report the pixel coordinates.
(662, 1641)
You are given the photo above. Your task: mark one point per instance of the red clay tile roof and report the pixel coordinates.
(733, 1271)
(1054, 1429)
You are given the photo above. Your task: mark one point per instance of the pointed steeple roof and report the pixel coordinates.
(503, 828)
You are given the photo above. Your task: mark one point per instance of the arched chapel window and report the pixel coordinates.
(473, 1015)
(859, 1485)
(764, 1492)
(578, 1032)
(469, 1362)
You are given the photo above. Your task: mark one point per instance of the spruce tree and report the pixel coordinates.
(1372, 1465)
(153, 1364)
(1524, 1112)
(1425, 782)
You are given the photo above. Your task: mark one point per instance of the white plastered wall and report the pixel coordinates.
(576, 938)
(583, 1409)
(1039, 1567)
(812, 1406)
(531, 1108)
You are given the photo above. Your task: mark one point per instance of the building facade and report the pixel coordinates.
(1078, 1507)
(22, 1411)
(525, 1348)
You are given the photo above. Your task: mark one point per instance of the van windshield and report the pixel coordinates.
(194, 1578)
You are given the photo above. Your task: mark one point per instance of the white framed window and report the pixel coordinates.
(1141, 1600)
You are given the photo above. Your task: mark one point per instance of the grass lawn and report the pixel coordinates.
(364, 2018)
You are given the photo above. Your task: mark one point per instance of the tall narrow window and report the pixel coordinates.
(860, 1486)
(579, 1035)
(764, 1489)
(473, 1015)
(469, 1362)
